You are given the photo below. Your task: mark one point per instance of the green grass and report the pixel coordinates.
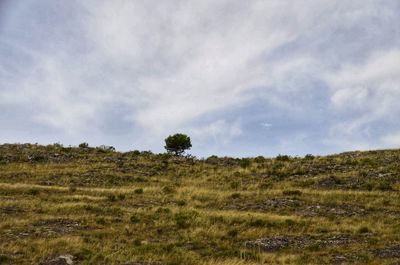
(106, 207)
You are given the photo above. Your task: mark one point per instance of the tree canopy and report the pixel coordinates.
(177, 143)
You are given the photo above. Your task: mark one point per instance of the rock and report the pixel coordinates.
(142, 263)
(60, 260)
(387, 252)
(9, 210)
(276, 243)
(339, 260)
(328, 183)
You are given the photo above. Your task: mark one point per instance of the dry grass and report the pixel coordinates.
(107, 207)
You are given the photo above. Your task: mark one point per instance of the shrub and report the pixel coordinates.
(111, 197)
(257, 223)
(168, 189)
(233, 233)
(291, 192)
(283, 158)
(138, 191)
(212, 160)
(363, 230)
(184, 219)
(83, 145)
(33, 192)
(134, 218)
(309, 157)
(101, 221)
(72, 188)
(136, 152)
(245, 162)
(235, 195)
(181, 203)
(234, 184)
(259, 159)
(162, 210)
(3, 258)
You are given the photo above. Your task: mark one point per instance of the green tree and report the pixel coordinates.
(177, 143)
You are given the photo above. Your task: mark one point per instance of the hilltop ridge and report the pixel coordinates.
(100, 206)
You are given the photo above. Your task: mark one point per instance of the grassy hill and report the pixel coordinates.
(98, 206)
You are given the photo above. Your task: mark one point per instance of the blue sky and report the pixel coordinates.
(242, 78)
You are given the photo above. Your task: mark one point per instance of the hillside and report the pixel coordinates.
(99, 206)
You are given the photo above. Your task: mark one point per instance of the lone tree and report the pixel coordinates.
(177, 143)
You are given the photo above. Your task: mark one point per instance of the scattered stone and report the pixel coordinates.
(339, 260)
(9, 210)
(142, 263)
(276, 243)
(60, 260)
(267, 205)
(387, 252)
(328, 183)
(344, 210)
(58, 226)
(43, 228)
(301, 208)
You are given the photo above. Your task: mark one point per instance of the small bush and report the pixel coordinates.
(134, 219)
(101, 221)
(168, 189)
(162, 210)
(385, 186)
(259, 159)
(111, 197)
(83, 145)
(291, 192)
(234, 184)
(257, 223)
(213, 160)
(245, 163)
(309, 157)
(138, 191)
(181, 203)
(184, 219)
(314, 247)
(290, 222)
(363, 230)
(33, 192)
(3, 258)
(235, 195)
(283, 158)
(233, 233)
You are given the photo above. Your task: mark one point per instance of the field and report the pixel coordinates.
(99, 206)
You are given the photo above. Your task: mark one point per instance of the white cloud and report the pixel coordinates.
(220, 131)
(266, 124)
(392, 140)
(372, 88)
(169, 63)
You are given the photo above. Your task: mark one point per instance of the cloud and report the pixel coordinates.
(392, 140)
(370, 90)
(266, 124)
(220, 131)
(153, 68)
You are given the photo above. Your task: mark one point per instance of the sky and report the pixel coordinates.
(241, 78)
